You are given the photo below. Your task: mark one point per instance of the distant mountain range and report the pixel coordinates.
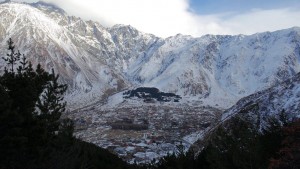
(97, 62)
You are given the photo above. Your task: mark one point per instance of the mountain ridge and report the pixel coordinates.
(97, 62)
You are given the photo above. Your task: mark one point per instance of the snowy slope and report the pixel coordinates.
(219, 70)
(226, 66)
(270, 102)
(97, 62)
(80, 51)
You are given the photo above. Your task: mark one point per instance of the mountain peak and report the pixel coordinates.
(123, 27)
(49, 6)
(117, 26)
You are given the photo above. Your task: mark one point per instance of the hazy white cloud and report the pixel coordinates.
(160, 17)
(169, 17)
(261, 20)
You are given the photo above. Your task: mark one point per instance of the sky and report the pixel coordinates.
(166, 18)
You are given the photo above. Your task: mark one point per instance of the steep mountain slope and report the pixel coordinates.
(270, 102)
(222, 66)
(279, 101)
(97, 62)
(83, 52)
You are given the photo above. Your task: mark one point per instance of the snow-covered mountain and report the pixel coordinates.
(97, 62)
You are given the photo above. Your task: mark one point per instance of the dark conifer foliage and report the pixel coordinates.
(32, 133)
(50, 105)
(12, 56)
(289, 155)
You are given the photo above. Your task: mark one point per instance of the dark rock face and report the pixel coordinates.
(150, 94)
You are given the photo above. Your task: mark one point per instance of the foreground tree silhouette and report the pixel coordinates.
(51, 104)
(289, 154)
(23, 129)
(32, 133)
(12, 56)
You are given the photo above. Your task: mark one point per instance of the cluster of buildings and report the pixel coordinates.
(142, 134)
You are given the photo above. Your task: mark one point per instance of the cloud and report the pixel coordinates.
(259, 20)
(168, 17)
(160, 17)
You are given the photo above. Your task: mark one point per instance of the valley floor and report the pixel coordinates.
(143, 133)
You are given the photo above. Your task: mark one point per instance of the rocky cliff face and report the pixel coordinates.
(96, 61)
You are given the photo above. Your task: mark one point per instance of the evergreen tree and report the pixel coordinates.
(12, 56)
(22, 133)
(51, 105)
(32, 133)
